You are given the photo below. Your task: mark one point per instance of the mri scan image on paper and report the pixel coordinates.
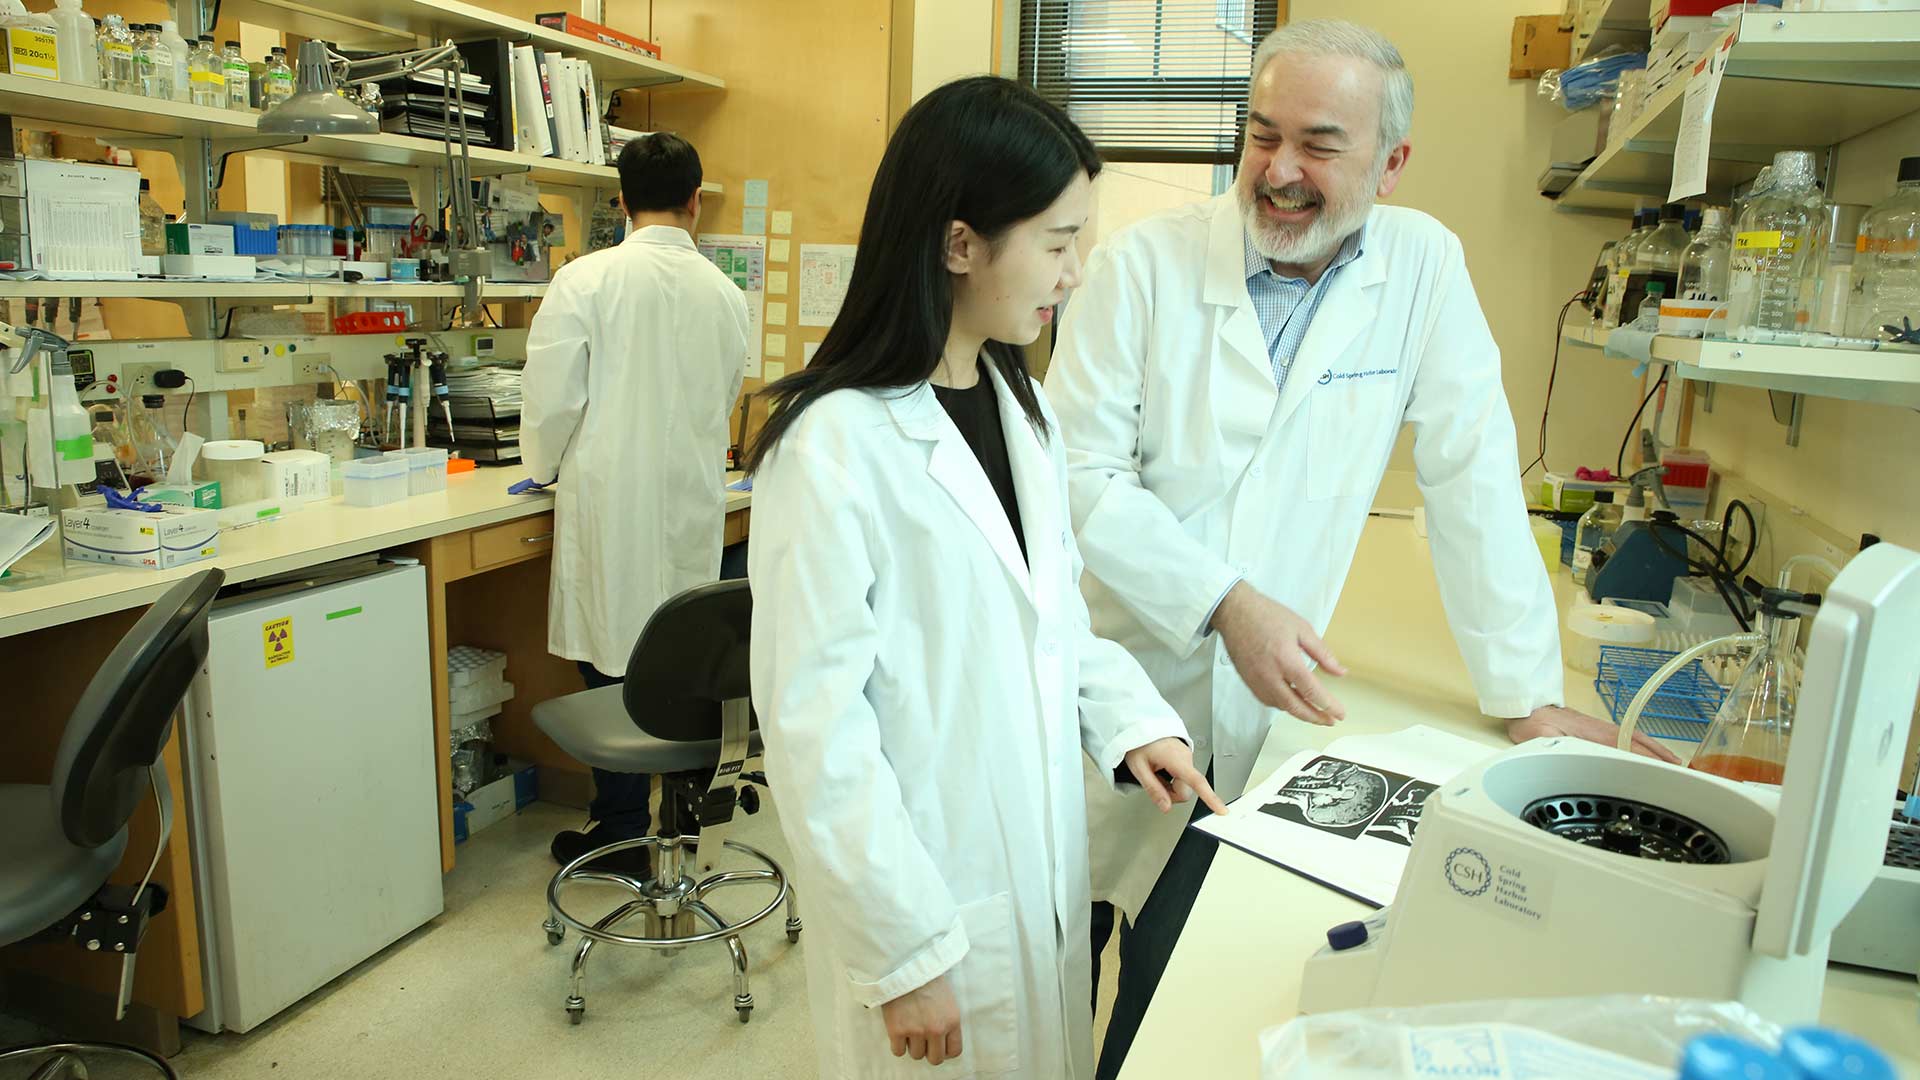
(1402, 814)
(1336, 796)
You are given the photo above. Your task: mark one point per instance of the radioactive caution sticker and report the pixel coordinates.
(277, 641)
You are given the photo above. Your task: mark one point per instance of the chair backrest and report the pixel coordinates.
(691, 657)
(126, 714)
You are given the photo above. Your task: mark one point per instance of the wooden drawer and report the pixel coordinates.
(736, 529)
(512, 541)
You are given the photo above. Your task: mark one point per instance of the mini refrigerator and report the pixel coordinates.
(312, 800)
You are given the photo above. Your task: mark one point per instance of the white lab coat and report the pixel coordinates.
(633, 365)
(1189, 469)
(926, 701)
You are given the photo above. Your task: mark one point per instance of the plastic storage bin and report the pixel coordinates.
(253, 233)
(383, 241)
(374, 481)
(426, 468)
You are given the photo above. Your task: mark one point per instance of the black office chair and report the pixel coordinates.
(62, 840)
(682, 714)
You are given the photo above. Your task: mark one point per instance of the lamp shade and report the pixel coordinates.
(316, 108)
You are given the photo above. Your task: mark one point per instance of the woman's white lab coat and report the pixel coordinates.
(926, 696)
(1190, 468)
(633, 365)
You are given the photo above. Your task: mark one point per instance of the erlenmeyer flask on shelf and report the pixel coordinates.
(1749, 735)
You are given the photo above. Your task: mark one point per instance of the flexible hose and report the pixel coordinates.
(1667, 671)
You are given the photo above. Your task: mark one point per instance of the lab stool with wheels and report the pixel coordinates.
(683, 715)
(61, 841)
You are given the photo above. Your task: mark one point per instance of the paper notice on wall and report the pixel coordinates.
(756, 193)
(1345, 816)
(825, 270)
(744, 260)
(1693, 145)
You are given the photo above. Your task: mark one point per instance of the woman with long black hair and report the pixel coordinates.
(923, 670)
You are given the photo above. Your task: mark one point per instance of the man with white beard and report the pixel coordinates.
(1230, 380)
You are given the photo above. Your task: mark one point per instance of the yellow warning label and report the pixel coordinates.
(277, 641)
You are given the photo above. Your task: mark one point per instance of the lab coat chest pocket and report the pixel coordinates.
(1352, 419)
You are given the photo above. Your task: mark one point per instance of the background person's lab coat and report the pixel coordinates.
(633, 365)
(925, 698)
(1188, 469)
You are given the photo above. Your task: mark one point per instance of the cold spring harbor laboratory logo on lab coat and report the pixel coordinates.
(1331, 376)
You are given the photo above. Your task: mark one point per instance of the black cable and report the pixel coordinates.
(228, 329)
(1620, 459)
(1725, 580)
(1753, 532)
(1559, 335)
(186, 414)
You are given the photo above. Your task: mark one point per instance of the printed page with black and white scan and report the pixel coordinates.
(1345, 816)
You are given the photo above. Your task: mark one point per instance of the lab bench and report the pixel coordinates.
(1237, 969)
(486, 556)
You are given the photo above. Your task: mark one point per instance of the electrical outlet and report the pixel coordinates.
(137, 379)
(243, 356)
(314, 368)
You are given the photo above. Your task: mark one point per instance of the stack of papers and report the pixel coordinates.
(20, 534)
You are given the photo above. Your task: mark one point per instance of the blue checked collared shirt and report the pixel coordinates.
(1286, 305)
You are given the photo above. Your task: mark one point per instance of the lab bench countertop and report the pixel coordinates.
(1237, 969)
(40, 593)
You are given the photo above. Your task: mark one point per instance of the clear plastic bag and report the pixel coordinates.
(1614, 1037)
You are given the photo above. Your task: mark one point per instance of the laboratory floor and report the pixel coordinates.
(478, 993)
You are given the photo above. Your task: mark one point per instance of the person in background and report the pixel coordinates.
(1231, 380)
(634, 362)
(923, 670)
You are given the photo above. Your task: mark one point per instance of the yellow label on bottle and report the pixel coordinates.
(1748, 241)
(32, 52)
(213, 77)
(119, 48)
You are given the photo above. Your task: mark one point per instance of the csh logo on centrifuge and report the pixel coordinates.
(1468, 872)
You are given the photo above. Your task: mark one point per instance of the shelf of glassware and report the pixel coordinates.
(1889, 375)
(389, 25)
(280, 291)
(90, 110)
(1793, 80)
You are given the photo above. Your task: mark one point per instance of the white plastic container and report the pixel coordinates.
(177, 45)
(235, 465)
(374, 481)
(426, 468)
(1590, 626)
(79, 56)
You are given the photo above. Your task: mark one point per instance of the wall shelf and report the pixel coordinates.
(286, 292)
(400, 24)
(1888, 376)
(87, 110)
(1793, 80)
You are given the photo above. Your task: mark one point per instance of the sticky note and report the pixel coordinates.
(772, 370)
(776, 345)
(753, 221)
(776, 314)
(776, 283)
(756, 193)
(779, 251)
(782, 222)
